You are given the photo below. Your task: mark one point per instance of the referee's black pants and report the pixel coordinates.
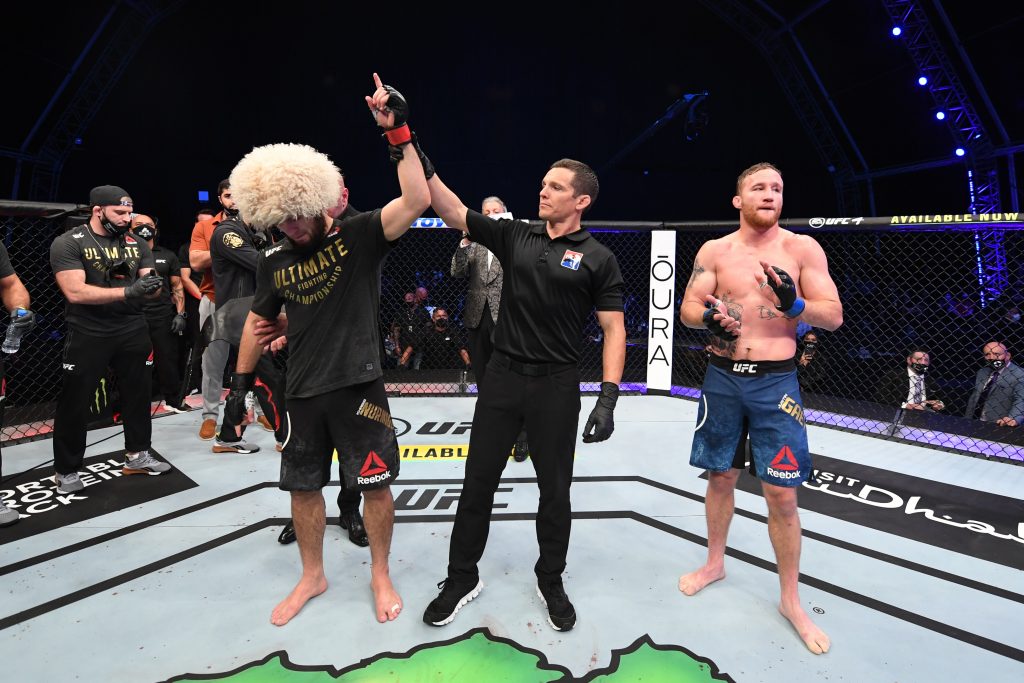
(547, 401)
(86, 358)
(165, 355)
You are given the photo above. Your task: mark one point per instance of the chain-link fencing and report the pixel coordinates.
(926, 284)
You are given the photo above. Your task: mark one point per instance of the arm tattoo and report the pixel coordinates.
(766, 313)
(697, 270)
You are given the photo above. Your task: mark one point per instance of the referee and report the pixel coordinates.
(555, 274)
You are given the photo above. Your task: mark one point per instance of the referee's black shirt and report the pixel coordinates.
(550, 286)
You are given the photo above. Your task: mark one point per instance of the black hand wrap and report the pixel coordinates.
(178, 325)
(396, 154)
(715, 326)
(789, 303)
(143, 286)
(600, 424)
(234, 405)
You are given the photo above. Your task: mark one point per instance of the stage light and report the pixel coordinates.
(204, 195)
(960, 151)
(896, 30)
(922, 80)
(940, 115)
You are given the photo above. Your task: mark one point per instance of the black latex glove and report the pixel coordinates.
(396, 154)
(143, 286)
(600, 424)
(178, 324)
(234, 405)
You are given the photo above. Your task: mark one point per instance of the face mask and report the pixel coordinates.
(810, 346)
(996, 364)
(145, 231)
(111, 228)
(919, 368)
(441, 323)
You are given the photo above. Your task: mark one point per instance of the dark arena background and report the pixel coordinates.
(897, 126)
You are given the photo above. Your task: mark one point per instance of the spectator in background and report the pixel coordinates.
(1008, 326)
(443, 344)
(907, 387)
(165, 315)
(998, 394)
(811, 369)
(422, 297)
(415, 322)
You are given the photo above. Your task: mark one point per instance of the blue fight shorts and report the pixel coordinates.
(764, 395)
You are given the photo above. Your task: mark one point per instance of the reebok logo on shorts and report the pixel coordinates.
(784, 465)
(374, 470)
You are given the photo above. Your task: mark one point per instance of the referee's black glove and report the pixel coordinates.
(600, 424)
(178, 324)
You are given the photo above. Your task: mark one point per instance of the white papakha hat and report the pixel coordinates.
(284, 181)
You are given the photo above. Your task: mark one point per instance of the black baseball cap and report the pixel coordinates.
(109, 195)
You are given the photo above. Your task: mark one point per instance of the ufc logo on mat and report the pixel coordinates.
(750, 368)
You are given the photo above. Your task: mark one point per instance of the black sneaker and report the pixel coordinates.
(444, 607)
(521, 451)
(561, 613)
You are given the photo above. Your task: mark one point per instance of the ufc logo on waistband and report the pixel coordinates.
(750, 368)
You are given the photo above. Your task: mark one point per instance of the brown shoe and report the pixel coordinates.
(265, 423)
(208, 430)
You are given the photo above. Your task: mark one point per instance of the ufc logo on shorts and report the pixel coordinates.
(750, 368)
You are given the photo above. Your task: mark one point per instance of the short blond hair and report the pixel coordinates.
(763, 166)
(280, 182)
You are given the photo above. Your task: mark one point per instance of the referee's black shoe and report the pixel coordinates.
(353, 521)
(521, 451)
(453, 597)
(561, 613)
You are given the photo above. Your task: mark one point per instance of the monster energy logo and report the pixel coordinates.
(101, 399)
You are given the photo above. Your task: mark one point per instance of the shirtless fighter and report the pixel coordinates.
(748, 289)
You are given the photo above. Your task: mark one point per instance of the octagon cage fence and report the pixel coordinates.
(942, 284)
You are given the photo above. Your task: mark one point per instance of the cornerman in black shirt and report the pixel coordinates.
(327, 276)
(105, 274)
(165, 314)
(555, 274)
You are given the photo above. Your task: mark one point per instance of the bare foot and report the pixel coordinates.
(694, 582)
(304, 591)
(814, 638)
(388, 602)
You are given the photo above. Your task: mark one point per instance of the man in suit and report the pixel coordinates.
(907, 387)
(998, 394)
(480, 313)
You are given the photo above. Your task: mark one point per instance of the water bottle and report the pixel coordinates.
(464, 382)
(12, 342)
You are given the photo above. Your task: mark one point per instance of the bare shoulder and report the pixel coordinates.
(802, 245)
(712, 250)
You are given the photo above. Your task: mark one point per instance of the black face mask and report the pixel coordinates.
(441, 323)
(810, 346)
(996, 364)
(919, 368)
(112, 229)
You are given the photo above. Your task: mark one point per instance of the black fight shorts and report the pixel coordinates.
(353, 421)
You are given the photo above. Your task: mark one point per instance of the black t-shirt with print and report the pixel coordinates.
(331, 297)
(82, 249)
(550, 286)
(166, 265)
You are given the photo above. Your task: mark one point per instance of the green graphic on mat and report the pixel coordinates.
(478, 656)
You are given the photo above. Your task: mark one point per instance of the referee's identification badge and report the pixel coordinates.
(571, 259)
